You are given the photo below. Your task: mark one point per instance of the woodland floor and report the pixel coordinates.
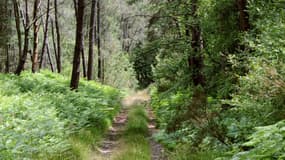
(112, 145)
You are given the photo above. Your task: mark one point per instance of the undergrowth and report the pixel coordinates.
(40, 118)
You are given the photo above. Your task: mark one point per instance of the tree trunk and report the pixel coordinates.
(78, 45)
(53, 41)
(244, 24)
(23, 58)
(18, 25)
(196, 64)
(50, 59)
(45, 29)
(58, 37)
(100, 57)
(91, 41)
(35, 56)
(83, 61)
(7, 68)
(195, 60)
(75, 7)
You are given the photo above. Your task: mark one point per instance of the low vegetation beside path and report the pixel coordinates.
(40, 118)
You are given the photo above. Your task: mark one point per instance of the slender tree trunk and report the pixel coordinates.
(83, 61)
(9, 33)
(78, 44)
(91, 41)
(7, 68)
(45, 29)
(23, 58)
(53, 41)
(100, 57)
(58, 37)
(75, 7)
(18, 25)
(103, 68)
(50, 58)
(35, 56)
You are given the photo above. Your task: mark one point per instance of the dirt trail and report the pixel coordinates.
(111, 143)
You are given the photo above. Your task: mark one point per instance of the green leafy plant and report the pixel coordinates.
(40, 117)
(266, 143)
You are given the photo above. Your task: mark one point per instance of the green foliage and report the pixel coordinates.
(267, 39)
(118, 69)
(142, 64)
(182, 153)
(244, 78)
(244, 88)
(30, 127)
(266, 143)
(120, 73)
(260, 99)
(169, 105)
(39, 114)
(177, 128)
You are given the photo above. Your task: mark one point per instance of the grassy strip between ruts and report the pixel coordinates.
(135, 145)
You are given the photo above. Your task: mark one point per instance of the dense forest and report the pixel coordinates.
(142, 80)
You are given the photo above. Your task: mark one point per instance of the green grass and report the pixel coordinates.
(136, 147)
(184, 152)
(137, 121)
(135, 144)
(84, 142)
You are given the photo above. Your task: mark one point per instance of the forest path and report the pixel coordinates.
(112, 144)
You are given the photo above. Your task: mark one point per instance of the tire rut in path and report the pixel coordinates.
(157, 150)
(111, 139)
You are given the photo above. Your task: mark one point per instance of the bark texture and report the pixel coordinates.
(78, 44)
(91, 41)
(36, 25)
